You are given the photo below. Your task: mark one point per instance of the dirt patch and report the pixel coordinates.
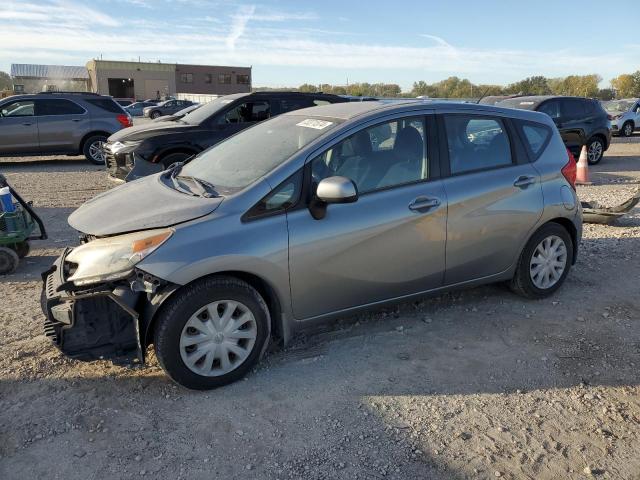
(473, 384)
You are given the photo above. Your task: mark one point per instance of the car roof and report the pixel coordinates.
(352, 110)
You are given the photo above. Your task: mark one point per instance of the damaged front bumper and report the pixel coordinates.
(104, 322)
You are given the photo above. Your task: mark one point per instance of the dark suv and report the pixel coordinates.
(59, 123)
(168, 107)
(150, 148)
(581, 121)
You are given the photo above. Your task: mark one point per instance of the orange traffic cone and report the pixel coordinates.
(582, 173)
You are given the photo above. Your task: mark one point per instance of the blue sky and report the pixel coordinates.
(290, 43)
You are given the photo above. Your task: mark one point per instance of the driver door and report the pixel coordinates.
(242, 116)
(18, 128)
(390, 242)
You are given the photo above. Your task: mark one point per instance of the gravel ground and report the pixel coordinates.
(473, 384)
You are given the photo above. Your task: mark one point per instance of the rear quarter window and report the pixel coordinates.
(535, 136)
(105, 104)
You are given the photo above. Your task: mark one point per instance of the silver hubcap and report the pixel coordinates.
(95, 150)
(548, 262)
(218, 338)
(595, 151)
(628, 130)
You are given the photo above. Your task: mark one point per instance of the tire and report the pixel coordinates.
(187, 315)
(155, 114)
(627, 129)
(595, 150)
(22, 249)
(523, 282)
(8, 261)
(92, 146)
(174, 158)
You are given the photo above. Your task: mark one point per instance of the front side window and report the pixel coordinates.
(246, 112)
(551, 108)
(186, 77)
(242, 79)
(56, 106)
(243, 158)
(385, 155)
(290, 104)
(23, 108)
(476, 143)
(224, 79)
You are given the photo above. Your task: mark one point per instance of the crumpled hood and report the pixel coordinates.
(139, 205)
(148, 130)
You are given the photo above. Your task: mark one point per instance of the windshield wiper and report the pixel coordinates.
(205, 189)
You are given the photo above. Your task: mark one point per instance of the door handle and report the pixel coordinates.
(424, 203)
(26, 124)
(524, 181)
(75, 120)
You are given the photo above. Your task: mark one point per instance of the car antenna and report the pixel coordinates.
(484, 94)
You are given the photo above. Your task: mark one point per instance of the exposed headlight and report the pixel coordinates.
(118, 147)
(114, 257)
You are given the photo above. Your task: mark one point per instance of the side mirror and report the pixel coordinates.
(332, 190)
(337, 190)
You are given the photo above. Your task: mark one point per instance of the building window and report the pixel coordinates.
(208, 78)
(242, 79)
(224, 78)
(186, 77)
(18, 88)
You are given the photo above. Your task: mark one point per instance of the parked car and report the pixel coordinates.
(179, 114)
(54, 123)
(123, 102)
(167, 107)
(624, 116)
(151, 148)
(137, 109)
(581, 121)
(304, 218)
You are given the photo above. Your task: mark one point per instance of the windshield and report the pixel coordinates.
(247, 156)
(205, 111)
(617, 106)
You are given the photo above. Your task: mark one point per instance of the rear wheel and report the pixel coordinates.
(211, 333)
(595, 150)
(627, 129)
(92, 149)
(544, 263)
(8, 261)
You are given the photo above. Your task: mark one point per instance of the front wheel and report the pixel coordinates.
(595, 150)
(154, 115)
(211, 333)
(627, 129)
(544, 263)
(8, 261)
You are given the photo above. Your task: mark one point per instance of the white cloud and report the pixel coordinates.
(61, 11)
(239, 25)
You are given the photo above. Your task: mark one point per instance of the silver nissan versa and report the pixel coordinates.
(308, 216)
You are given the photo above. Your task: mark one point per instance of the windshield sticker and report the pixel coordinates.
(312, 123)
(526, 103)
(226, 101)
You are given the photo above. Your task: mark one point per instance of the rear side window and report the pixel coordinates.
(58, 106)
(476, 143)
(536, 136)
(106, 104)
(573, 108)
(290, 104)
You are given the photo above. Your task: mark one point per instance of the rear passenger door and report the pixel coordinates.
(574, 121)
(61, 124)
(494, 195)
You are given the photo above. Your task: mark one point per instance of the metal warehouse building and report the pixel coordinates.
(39, 78)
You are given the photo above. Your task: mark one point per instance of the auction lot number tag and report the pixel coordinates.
(313, 123)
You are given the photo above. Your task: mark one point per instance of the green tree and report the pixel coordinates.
(627, 85)
(5, 81)
(537, 85)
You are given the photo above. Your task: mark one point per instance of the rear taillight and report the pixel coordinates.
(125, 120)
(570, 169)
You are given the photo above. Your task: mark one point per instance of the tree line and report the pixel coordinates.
(624, 86)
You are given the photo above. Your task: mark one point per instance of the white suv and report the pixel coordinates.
(624, 116)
